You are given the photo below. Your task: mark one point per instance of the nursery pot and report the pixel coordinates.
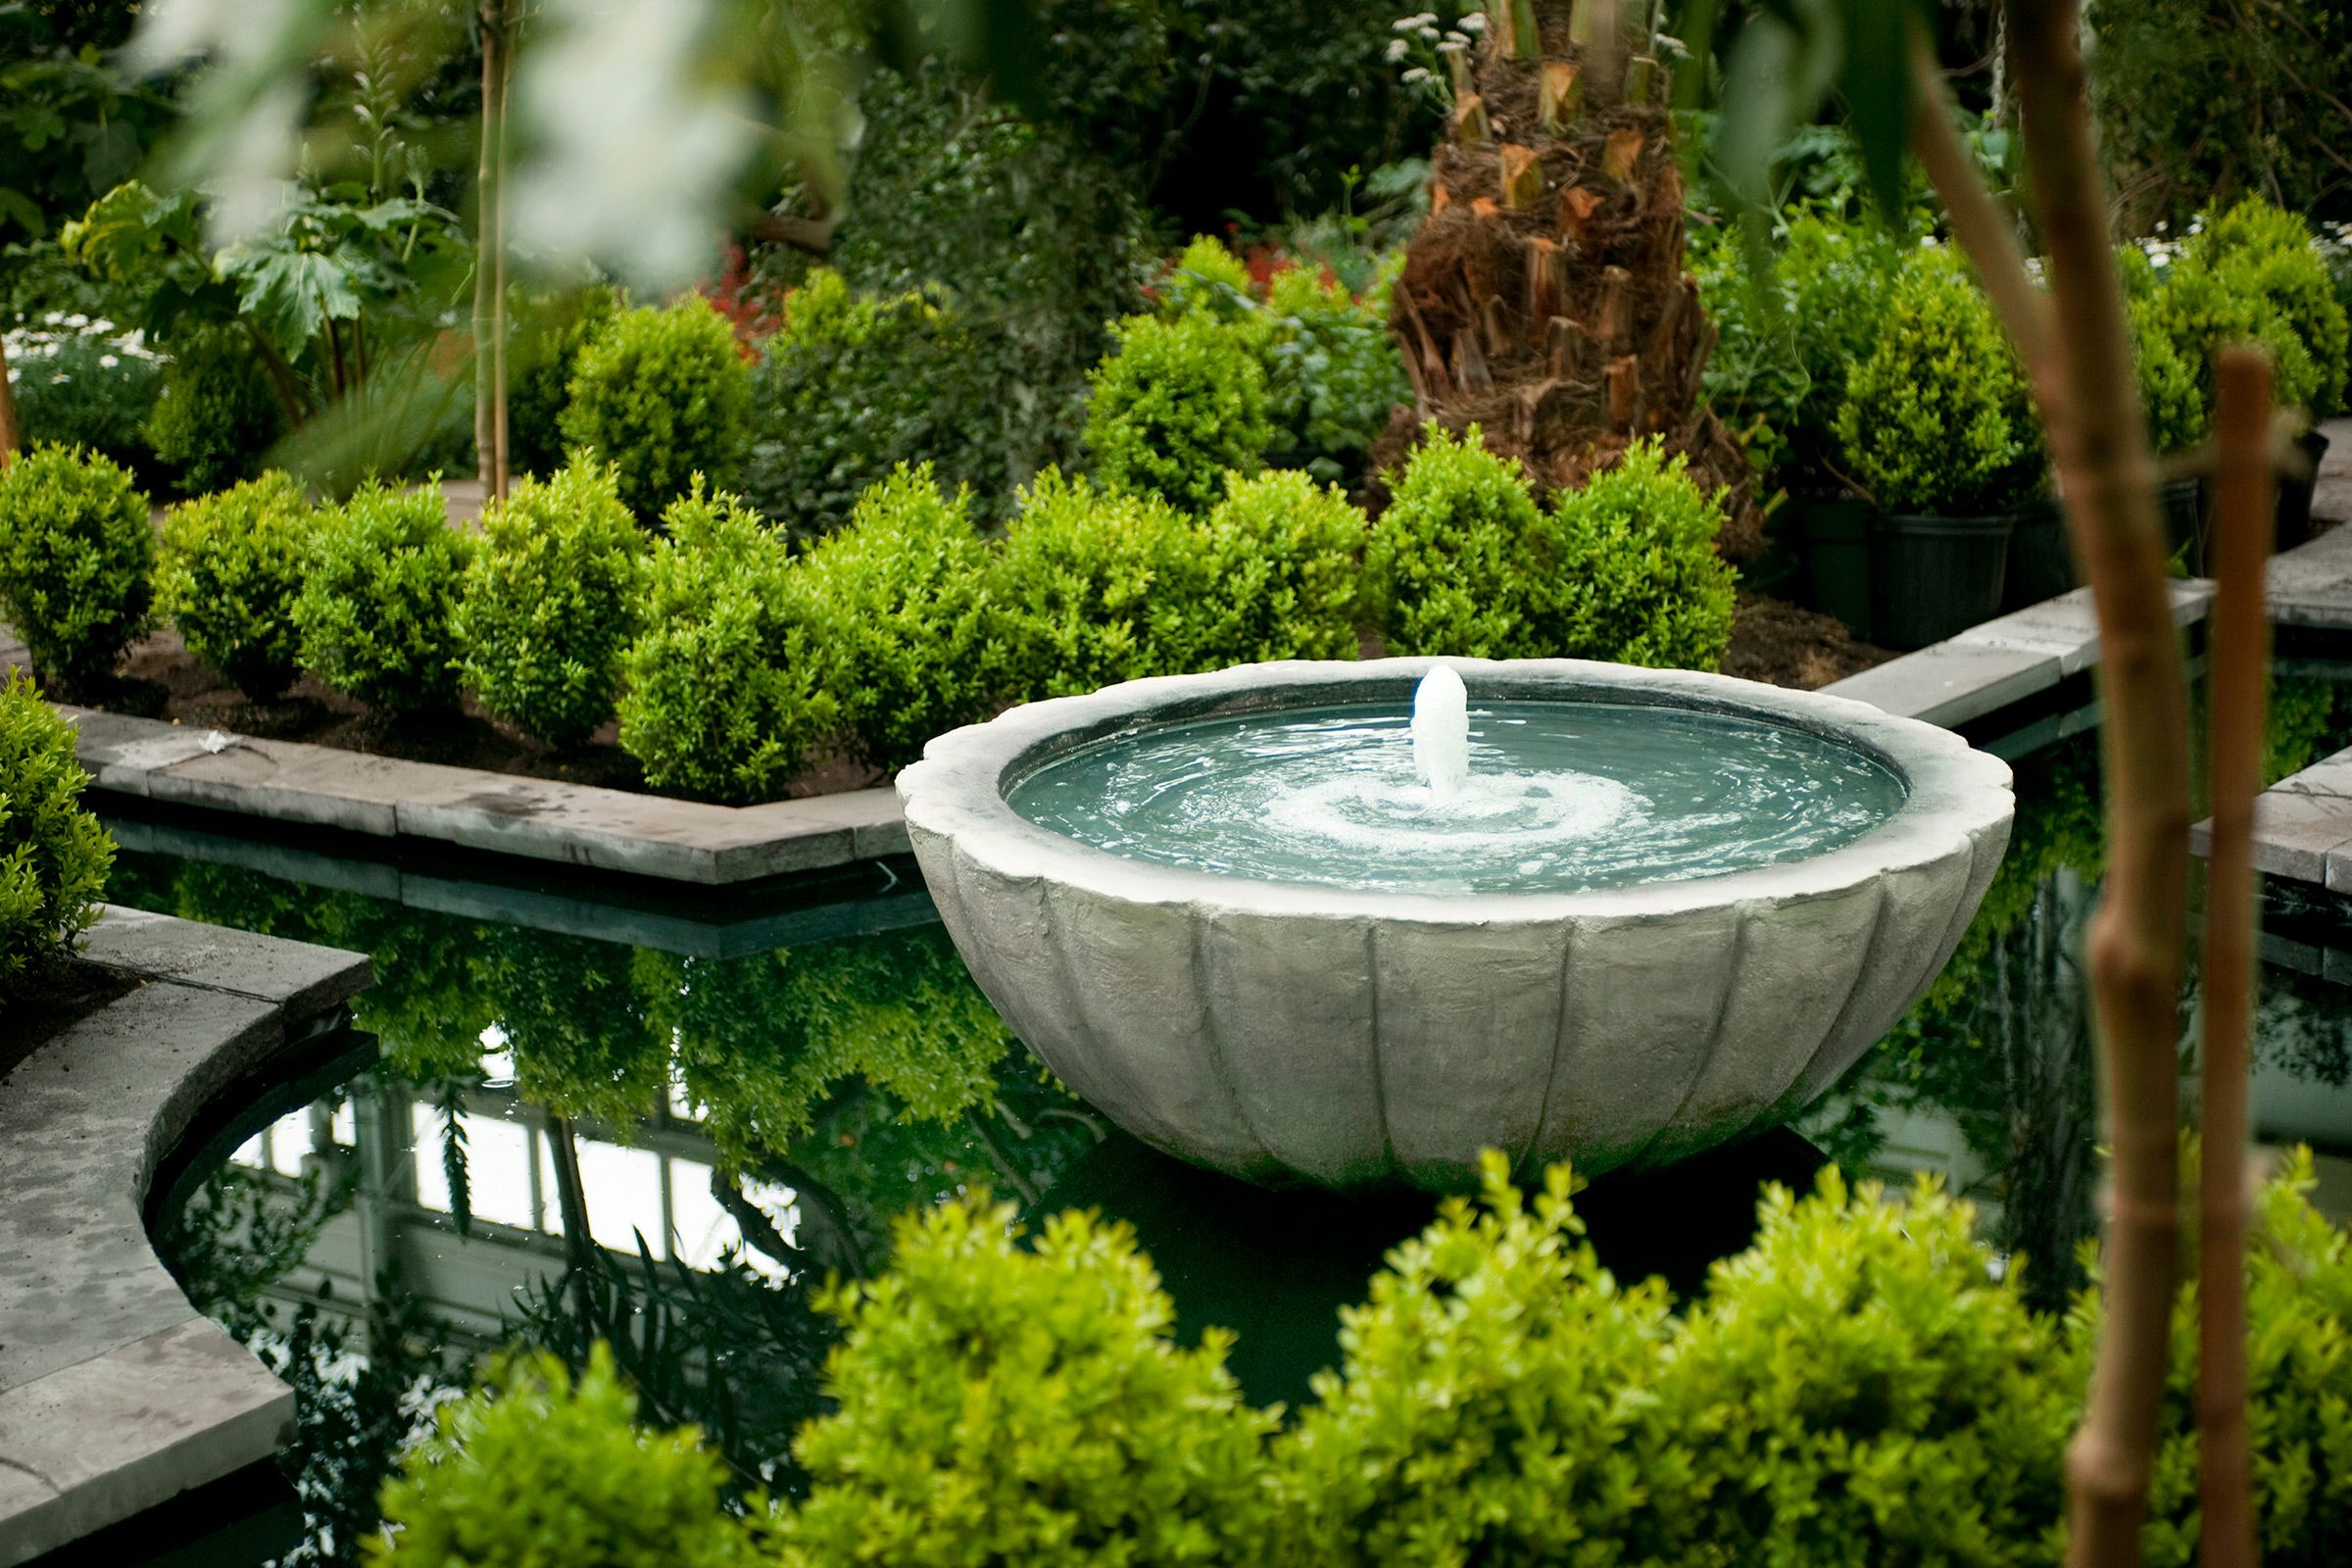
(2183, 505)
(2041, 559)
(1935, 577)
(2295, 491)
(1778, 568)
(1836, 535)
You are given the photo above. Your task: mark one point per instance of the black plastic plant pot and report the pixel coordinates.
(2295, 490)
(2041, 559)
(2182, 501)
(1935, 577)
(1836, 535)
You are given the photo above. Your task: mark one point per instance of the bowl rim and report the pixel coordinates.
(1954, 793)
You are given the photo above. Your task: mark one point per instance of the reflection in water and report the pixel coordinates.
(561, 1141)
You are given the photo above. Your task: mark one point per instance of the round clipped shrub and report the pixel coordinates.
(851, 387)
(1175, 406)
(1937, 419)
(661, 394)
(1857, 1389)
(1487, 1404)
(378, 612)
(77, 563)
(1206, 278)
(2267, 252)
(1092, 588)
(2170, 396)
(905, 585)
(54, 856)
(550, 601)
(232, 564)
(1003, 1404)
(1624, 568)
(217, 413)
(1440, 568)
(1285, 555)
(539, 1469)
(728, 687)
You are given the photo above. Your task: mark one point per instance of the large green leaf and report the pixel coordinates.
(289, 295)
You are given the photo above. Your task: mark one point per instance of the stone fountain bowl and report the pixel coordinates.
(1284, 1032)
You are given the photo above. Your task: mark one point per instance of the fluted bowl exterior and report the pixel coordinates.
(1285, 1032)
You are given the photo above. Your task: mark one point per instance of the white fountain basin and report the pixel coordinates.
(1285, 1032)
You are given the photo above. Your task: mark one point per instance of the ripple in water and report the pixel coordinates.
(1561, 797)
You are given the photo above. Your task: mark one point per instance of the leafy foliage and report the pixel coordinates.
(551, 602)
(1174, 408)
(576, 1026)
(2252, 271)
(661, 394)
(54, 856)
(1937, 419)
(77, 563)
(215, 415)
(729, 683)
(1003, 1404)
(378, 611)
(548, 338)
(1624, 568)
(79, 382)
(538, 1469)
(1284, 554)
(905, 585)
(232, 564)
(1089, 589)
(1443, 567)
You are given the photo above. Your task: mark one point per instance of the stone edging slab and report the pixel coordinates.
(578, 824)
(116, 1395)
(2302, 826)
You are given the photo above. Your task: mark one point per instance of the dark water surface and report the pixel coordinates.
(568, 1120)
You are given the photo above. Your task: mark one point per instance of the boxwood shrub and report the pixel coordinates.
(1441, 567)
(216, 414)
(660, 393)
(54, 856)
(550, 601)
(729, 684)
(2268, 252)
(1174, 407)
(77, 563)
(550, 336)
(1624, 568)
(904, 586)
(1284, 556)
(538, 1469)
(378, 612)
(232, 564)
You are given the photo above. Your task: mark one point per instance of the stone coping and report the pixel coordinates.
(116, 1395)
(577, 825)
(2302, 826)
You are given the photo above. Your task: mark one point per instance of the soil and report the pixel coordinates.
(1779, 643)
(48, 1000)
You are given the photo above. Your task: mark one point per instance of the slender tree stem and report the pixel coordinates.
(2107, 480)
(486, 302)
(9, 440)
(2239, 654)
(502, 467)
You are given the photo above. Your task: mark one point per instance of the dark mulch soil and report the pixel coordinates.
(1775, 641)
(161, 679)
(49, 999)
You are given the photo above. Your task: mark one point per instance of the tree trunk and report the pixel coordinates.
(490, 258)
(2082, 360)
(9, 440)
(2240, 651)
(1545, 298)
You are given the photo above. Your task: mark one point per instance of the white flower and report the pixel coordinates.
(1430, 35)
(54, 318)
(1396, 49)
(108, 361)
(1475, 22)
(1419, 74)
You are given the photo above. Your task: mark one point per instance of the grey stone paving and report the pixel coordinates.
(115, 1394)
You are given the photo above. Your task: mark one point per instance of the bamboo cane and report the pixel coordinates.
(8, 413)
(2239, 654)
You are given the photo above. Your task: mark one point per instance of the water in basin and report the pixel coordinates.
(1556, 797)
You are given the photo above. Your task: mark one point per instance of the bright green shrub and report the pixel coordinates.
(1333, 374)
(851, 387)
(1175, 406)
(537, 1469)
(1284, 554)
(2254, 269)
(1091, 588)
(1443, 566)
(1008, 1404)
(217, 413)
(728, 686)
(549, 340)
(2202, 310)
(54, 856)
(1624, 568)
(1856, 1389)
(2299, 1380)
(1206, 279)
(550, 601)
(378, 612)
(77, 563)
(2169, 394)
(1490, 1401)
(233, 564)
(1936, 419)
(905, 585)
(662, 395)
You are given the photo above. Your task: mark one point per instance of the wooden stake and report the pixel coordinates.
(1620, 153)
(1522, 177)
(2238, 656)
(8, 413)
(1560, 96)
(1546, 278)
(1470, 126)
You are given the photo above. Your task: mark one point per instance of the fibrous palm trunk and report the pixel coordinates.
(1544, 299)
